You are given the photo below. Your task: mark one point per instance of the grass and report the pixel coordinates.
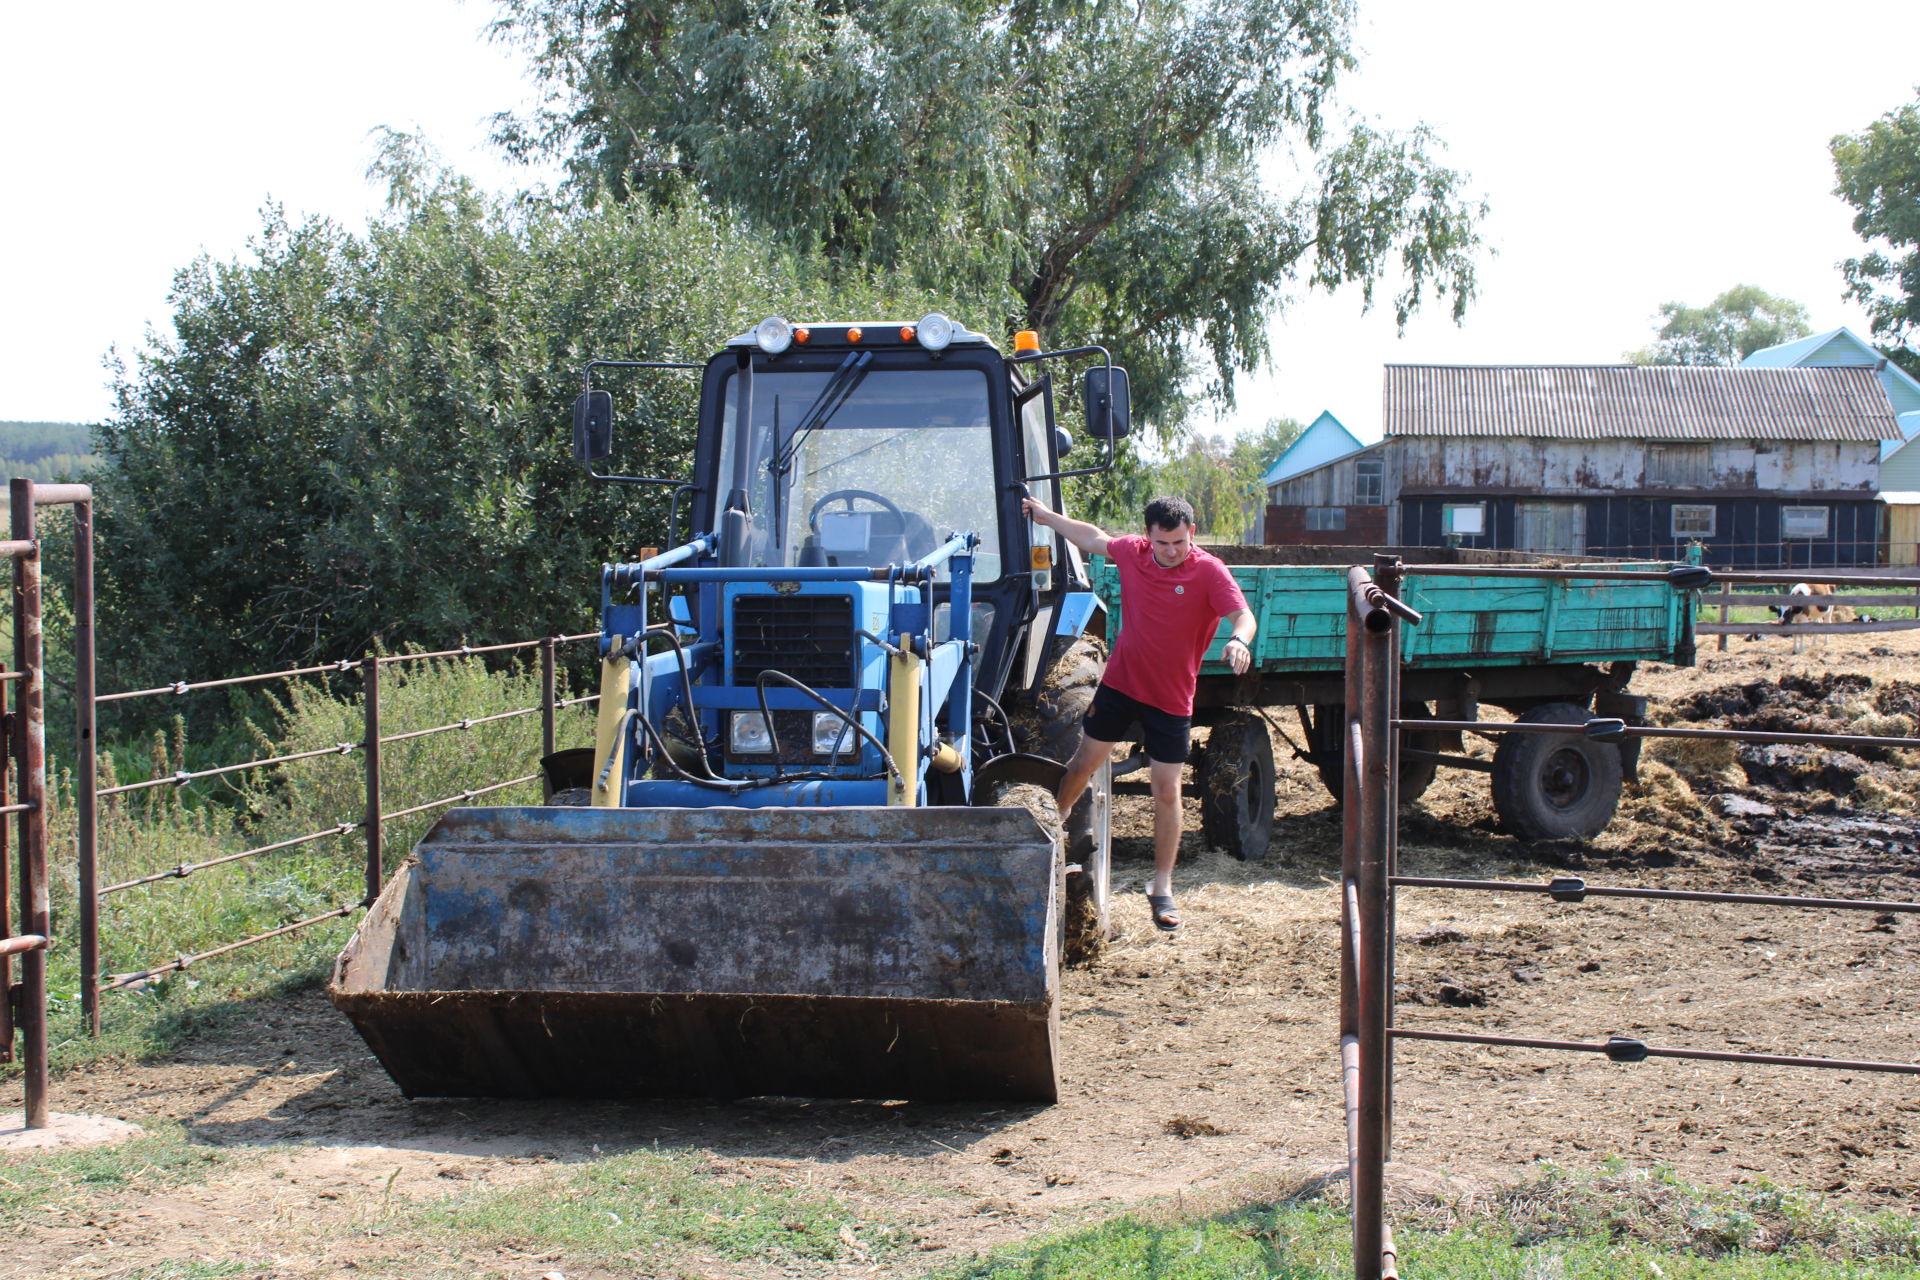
(627, 1209)
(1557, 1226)
(43, 1181)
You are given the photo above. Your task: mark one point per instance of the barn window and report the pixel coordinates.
(1326, 519)
(1677, 466)
(1468, 519)
(1803, 522)
(1369, 482)
(1693, 521)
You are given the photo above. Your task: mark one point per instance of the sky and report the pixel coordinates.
(1633, 154)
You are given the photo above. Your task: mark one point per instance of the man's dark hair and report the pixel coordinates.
(1169, 513)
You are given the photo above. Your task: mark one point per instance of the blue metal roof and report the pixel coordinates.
(1326, 440)
(1843, 347)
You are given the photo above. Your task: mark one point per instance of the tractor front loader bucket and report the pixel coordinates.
(849, 952)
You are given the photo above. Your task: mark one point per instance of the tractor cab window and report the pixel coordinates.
(904, 461)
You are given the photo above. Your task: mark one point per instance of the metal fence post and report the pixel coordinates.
(1384, 699)
(1362, 791)
(370, 691)
(86, 765)
(30, 746)
(548, 685)
(6, 885)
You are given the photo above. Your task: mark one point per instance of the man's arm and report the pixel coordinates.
(1089, 538)
(1240, 655)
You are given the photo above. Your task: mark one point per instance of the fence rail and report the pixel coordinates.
(371, 824)
(1370, 882)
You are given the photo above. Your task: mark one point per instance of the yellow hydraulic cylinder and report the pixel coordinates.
(609, 744)
(903, 724)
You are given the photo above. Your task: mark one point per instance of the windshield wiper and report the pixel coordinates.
(839, 389)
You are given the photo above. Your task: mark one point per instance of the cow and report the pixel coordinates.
(1808, 612)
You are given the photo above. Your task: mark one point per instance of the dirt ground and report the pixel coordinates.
(1208, 1057)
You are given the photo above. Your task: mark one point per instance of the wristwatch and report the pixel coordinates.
(1242, 643)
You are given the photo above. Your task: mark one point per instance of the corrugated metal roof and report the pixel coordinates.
(1637, 402)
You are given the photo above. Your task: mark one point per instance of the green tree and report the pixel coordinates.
(357, 440)
(1088, 170)
(1219, 475)
(1726, 331)
(1879, 175)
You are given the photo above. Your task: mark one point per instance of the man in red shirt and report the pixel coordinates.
(1173, 596)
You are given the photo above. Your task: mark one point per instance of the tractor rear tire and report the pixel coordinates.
(1236, 781)
(1555, 786)
(1051, 728)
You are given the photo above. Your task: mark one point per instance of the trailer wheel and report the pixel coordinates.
(1554, 786)
(1235, 781)
(1051, 728)
(1415, 775)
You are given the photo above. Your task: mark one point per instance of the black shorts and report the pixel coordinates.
(1112, 715)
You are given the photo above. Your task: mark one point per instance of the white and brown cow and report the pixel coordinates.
(1818, 608)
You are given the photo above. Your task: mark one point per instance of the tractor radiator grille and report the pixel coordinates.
(808, 637)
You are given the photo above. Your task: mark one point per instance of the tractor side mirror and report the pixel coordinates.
(1062, 441)
(592, 427)
(1108, 403)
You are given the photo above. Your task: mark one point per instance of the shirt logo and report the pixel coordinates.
(1179, 591)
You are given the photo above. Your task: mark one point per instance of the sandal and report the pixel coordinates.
(1166, 916)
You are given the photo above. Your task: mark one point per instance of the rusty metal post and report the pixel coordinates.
(1367, 784)
(548, 686)
(1384, 699)
(370, 691)
(86, 765)
(6, 888)
(30, 759)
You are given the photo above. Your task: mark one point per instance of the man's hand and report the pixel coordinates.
(1089, 538)
(1239, 654)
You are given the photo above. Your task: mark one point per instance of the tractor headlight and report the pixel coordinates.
(773, 334)
(748, 734)
(935, 331)
(831, 732)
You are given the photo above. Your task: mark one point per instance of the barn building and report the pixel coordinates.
(1342, 507)
(1899, 459)
(1767, 467)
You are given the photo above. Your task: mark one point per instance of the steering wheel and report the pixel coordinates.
(850, 496)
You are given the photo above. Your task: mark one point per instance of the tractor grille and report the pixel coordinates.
(808, 637)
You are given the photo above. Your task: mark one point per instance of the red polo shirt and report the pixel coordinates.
(1168, 618)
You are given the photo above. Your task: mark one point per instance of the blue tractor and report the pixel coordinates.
(789, 864)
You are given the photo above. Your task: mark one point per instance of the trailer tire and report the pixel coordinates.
(1415, 775)
(1554, 786)
(1051, 728)
(1235, 779)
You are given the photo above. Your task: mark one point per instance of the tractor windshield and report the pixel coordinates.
(905, 460)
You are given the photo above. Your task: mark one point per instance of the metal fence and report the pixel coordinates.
(23, 1005)
(29, 750)
(372, 822)
(1371, 880)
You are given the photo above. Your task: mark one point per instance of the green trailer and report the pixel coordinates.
(1548, 650)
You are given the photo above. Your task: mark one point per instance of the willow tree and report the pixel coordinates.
(1160, 174)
